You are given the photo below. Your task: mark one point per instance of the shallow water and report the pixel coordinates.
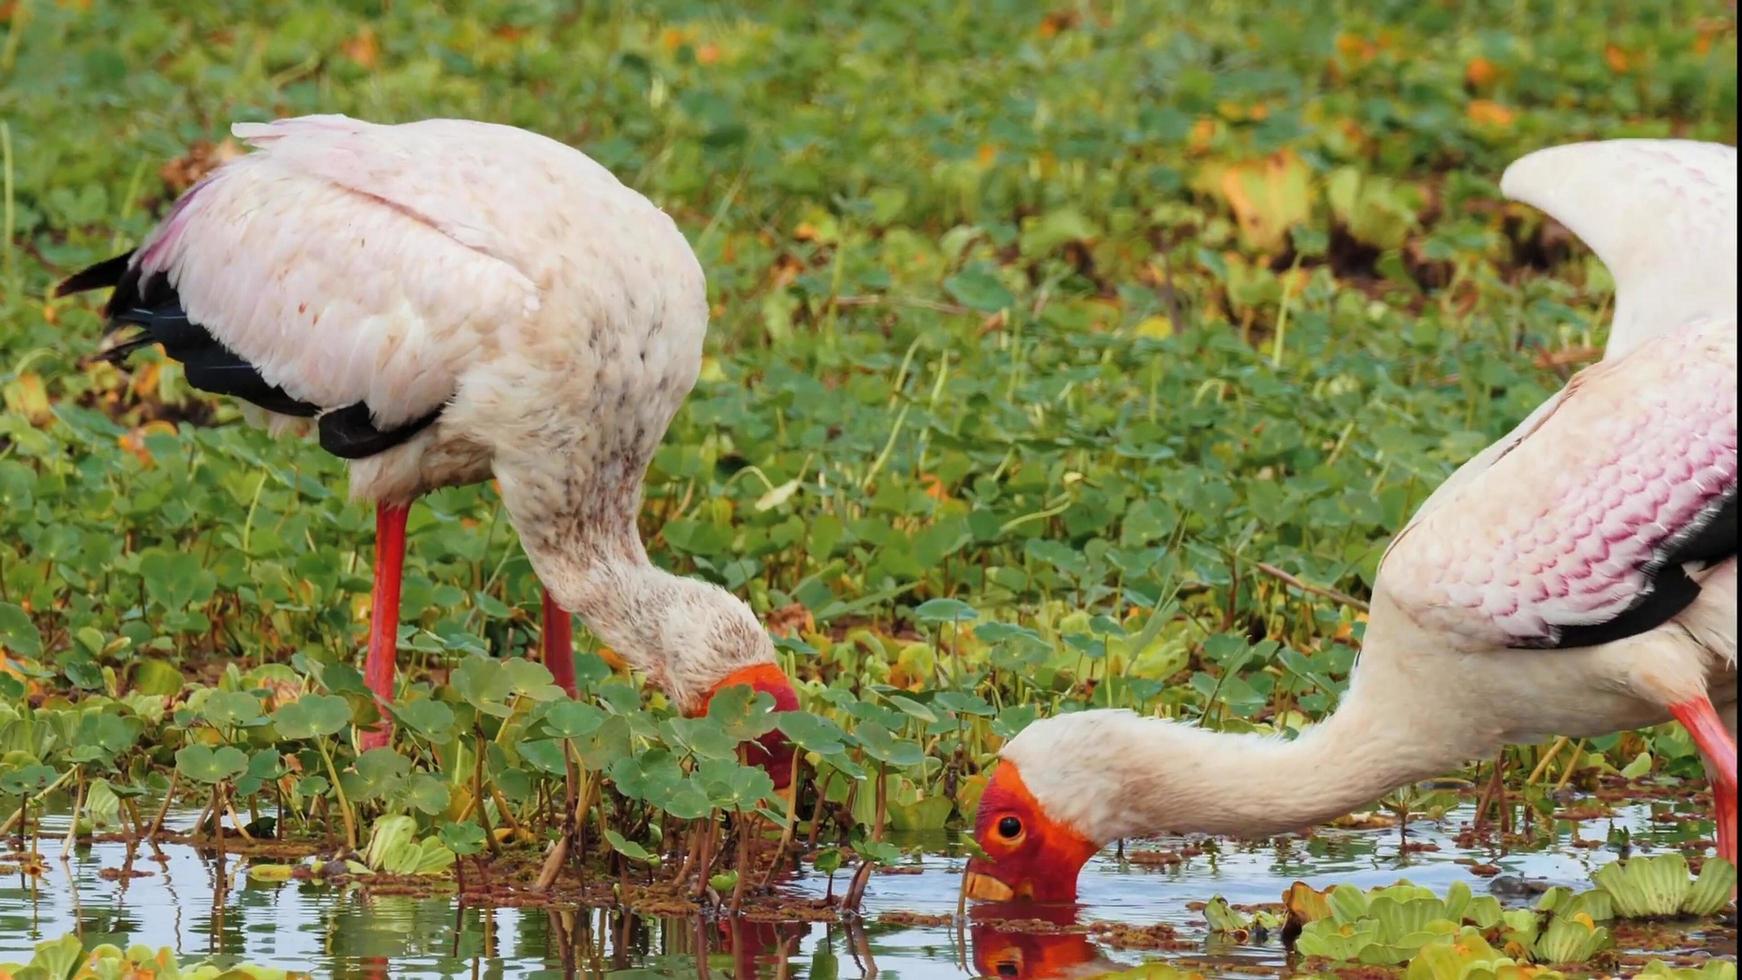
(335, 933)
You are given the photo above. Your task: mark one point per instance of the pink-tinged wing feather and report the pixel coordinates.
(1567, 527)
(352, 262)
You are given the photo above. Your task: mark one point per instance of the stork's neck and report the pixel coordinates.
(685, 634)
(1132, 776)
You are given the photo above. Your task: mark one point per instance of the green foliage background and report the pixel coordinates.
(1036, 329)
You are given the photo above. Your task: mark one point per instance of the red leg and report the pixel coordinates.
(559, 644)
(384, 612)
(1714, 741)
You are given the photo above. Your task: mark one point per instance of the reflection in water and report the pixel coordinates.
(186, 902)
(1003, 951)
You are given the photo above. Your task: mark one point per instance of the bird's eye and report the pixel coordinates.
(1010, 828)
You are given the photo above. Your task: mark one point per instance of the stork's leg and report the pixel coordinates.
(384, 612)
(1719, 749)
(559, 644)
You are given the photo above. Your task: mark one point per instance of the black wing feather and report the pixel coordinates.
(1711, 538)
(151, 306)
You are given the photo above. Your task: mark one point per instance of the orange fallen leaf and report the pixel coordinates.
(934, 487)
(1056, 23)
(1356, 48)
(363, 48)
(1616, 57)
(1480, 73)
(1487, 112)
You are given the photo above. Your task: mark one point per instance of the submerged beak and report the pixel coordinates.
(983, 887)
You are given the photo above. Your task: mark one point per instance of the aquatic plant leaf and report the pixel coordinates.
(1348, 904)
(1343, 942)
(231, 709)
(207, 765)
(1562, 901)
(427, 717)
(544, 754)
(1401, 918)
(813, 733)
(572, 719)
(18, 633)
(912, 708)
(375, 773)
(102, 806)
(606, 744)
(484, 683)
(630, 849)
(1483, 912)
(271, 873)
(1520, 927)
(1570, 939)
(462, 838)
(1713, 969)
(1305, 904)
(965, 703)
(1711, 891)
(530, 679)
(154, 675)
(936, 611)
(1467, 957)
(1222, 918)
(1646, 887)
(424, 792)
(731, 785)
(388, 833)
(880, 744)
(58, 958)
(742, 712)
(312, 716)
(929, 813)
(704, 738)
(649, 776)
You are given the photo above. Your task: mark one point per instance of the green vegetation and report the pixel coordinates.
(1052, 352)
(66, 959)
(1403, 922)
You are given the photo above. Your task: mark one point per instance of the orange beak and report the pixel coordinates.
(982, 886)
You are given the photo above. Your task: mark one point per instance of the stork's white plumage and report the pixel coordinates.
(451, 301)
(1576, 578)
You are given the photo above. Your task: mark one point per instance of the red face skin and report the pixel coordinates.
(773, 751)
(1028, 854)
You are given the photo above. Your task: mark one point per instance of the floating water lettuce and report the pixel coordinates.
(1400, 923)
(395, 849)
(65, 959)
(1659, 886)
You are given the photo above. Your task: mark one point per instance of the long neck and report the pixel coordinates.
(1251, 785)
(683, 633)
(1133, 776)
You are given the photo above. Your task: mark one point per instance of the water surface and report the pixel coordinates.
(335, 932)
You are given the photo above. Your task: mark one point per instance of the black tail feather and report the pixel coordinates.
(105, 273)
(151, 306)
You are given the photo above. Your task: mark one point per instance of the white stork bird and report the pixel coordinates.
(1576, 578)
(452, 301)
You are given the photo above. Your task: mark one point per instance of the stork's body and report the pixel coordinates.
(450, 301)
(1576, 578)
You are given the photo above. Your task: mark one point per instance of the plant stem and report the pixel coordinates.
(339, 792)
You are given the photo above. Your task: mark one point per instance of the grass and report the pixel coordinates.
(1081, 356)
